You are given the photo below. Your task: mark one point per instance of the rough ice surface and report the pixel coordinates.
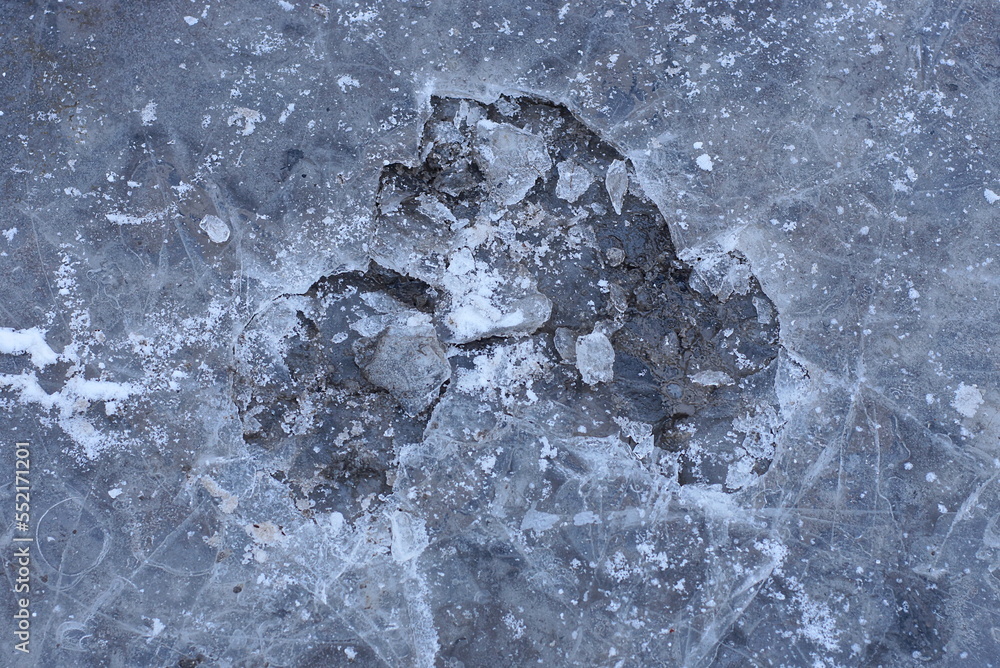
(436, 334)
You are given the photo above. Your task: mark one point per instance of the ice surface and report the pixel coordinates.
(293, 297)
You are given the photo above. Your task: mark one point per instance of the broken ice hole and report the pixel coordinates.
(517, 261)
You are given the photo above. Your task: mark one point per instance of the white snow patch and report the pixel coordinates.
(30, 342)
(246, 119)
(991, 196)
(967, 400)
(705, 162)
(190, 20)
(346, 81)
(148, 113)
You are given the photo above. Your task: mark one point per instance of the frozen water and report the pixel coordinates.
(595, 358)
(426, 334)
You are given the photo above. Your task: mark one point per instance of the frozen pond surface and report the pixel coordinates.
(451, 334)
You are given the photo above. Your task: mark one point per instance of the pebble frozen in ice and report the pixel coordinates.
(216, 228)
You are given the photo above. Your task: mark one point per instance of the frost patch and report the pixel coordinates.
(245, 118)
(967, 400)
(27, 342)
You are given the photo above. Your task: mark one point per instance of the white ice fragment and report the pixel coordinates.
(967, 400)
(409, 537)
(115, 493)
(149, 113)
(216, 228)
(347, 81)
(190, 20)
(246, 119)
(574, 180)
(705, 162)
(435, 209)
(512, 158)
(616, 183)
(711, 378)
(595, 358)
(538, 521)
(158, 627)
(30, 342)
(991, 196)
(461, 262)
(126, 219)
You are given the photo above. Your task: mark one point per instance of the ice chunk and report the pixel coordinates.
(475, 317)
(216, 228)
(512, 159)
(574, 180)
(616, 183)
(537, 521)
(595, 358)
(409, 536)
(711, 378)
(408, 362)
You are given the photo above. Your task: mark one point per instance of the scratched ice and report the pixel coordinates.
(425, 334)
